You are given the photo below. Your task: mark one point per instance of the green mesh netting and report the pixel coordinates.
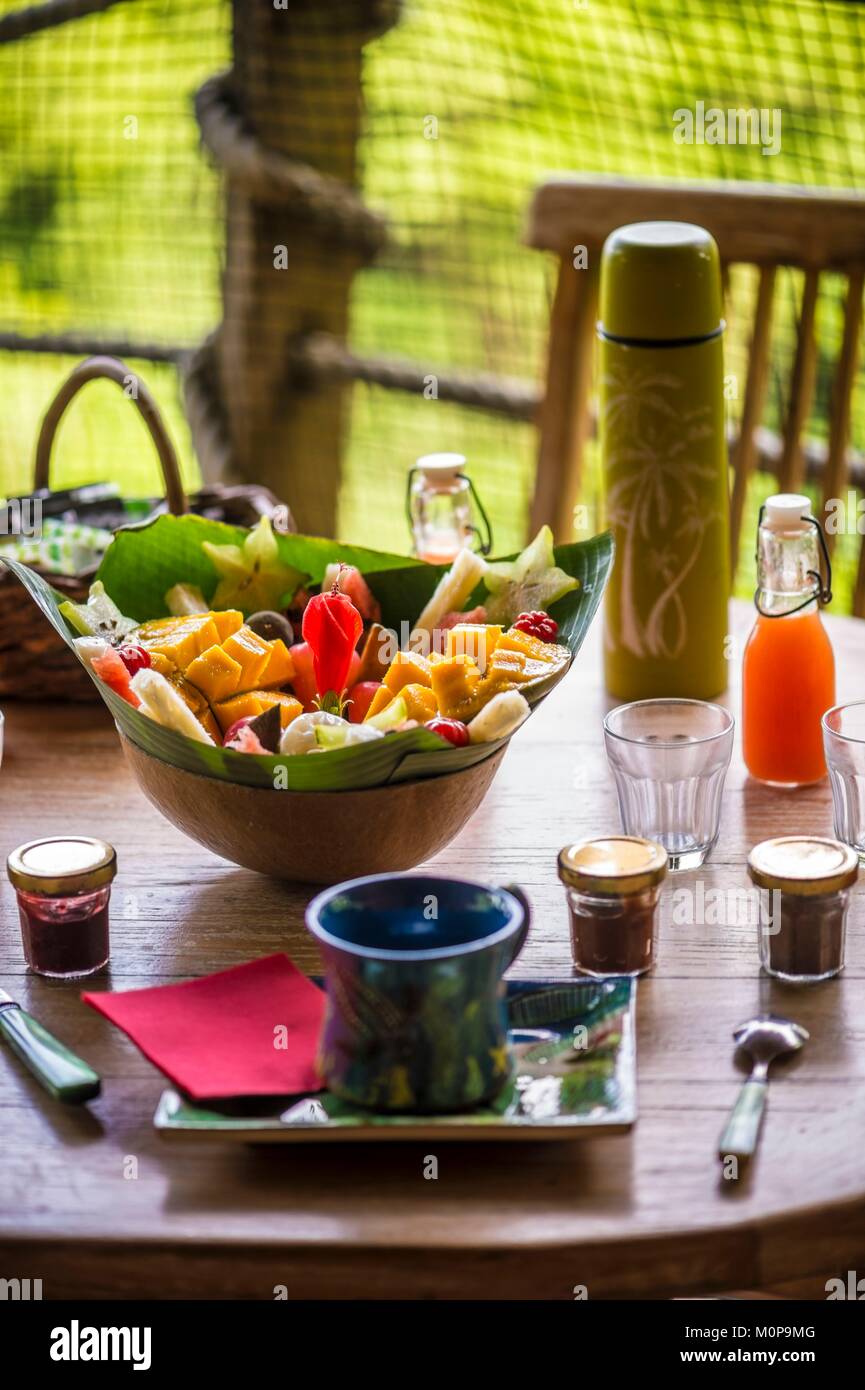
(112, 223)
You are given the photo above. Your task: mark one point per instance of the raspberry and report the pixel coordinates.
(538, 624)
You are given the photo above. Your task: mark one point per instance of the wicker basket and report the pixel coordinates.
(35, 663)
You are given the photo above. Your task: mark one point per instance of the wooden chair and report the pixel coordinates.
(762, 225)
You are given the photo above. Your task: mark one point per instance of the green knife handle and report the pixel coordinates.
(66, 1076)
(742, 1130)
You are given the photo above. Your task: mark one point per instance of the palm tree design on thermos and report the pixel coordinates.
(659, 487)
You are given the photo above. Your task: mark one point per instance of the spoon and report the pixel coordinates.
(763, 1039)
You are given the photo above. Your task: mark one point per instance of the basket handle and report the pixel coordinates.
(114, 370)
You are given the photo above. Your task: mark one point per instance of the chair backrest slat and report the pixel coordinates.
(564, 413)
(745, 449)
(791, 470)
(835, 473)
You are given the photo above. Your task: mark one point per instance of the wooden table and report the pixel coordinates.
(92, 1202)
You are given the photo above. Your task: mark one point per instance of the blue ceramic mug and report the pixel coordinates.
(415, 1016)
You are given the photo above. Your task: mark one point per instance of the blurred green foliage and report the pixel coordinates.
(111, 218)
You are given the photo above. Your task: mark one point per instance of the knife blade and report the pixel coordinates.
(64, 1076)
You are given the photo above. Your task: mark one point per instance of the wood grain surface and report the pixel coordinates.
(94, 1204)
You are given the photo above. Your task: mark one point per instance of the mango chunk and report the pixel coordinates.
(196, 702)
(455, 683)
(280, 666)
(407, 668)
(420, 703)
(380, 700)
(228, 621)
(163, 664)
(216, 674)
(253, 702)
(180, 639)
(516, 641)
(507, 666)
(251, 652)
(477, 640)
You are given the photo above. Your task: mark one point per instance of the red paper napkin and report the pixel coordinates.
(248, 1031)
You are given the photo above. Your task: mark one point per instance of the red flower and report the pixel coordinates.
(331, 627)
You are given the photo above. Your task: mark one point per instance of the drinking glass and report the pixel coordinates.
(844, 746)
(669, 759)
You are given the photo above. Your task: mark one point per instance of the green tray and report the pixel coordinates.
(574, 1075)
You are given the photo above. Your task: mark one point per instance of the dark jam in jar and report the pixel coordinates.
(63, 886)
(804, 883)
(613, 886)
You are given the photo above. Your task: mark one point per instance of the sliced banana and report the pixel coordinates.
(501, 717)
(453, 590)
(161, 702)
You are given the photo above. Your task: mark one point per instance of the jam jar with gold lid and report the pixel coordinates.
(63, 884)
(613, 888)
(805, 883)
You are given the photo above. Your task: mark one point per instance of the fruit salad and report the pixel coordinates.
(318, 671)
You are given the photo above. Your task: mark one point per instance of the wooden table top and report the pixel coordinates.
(95, 1204)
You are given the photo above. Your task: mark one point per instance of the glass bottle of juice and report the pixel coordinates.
(788, 672)
(441, 502)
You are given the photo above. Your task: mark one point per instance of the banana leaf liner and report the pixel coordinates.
(141, 564)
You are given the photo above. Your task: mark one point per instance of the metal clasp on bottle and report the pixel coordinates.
(822, 590)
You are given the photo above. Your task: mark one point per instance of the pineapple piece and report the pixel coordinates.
(420, 703)
(215, 673)
(253, 654)
(183, 599)
(453, 590)
(180, 639)
(254, 702)
(280, 666)
(407, 668)
(477, 640)
(455, 684)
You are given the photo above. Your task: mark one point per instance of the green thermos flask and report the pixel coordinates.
(664, 456)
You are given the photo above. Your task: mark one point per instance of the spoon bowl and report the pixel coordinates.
(768, 1036)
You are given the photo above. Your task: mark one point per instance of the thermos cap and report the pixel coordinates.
(660, 282)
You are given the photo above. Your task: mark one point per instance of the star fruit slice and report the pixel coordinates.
(530, 582)
(252, 576)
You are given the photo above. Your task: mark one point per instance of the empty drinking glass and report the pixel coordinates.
(669, 760)
(844, 746)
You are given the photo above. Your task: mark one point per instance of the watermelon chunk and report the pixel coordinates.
(110, 668)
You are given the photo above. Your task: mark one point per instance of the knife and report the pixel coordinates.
(64, 1076)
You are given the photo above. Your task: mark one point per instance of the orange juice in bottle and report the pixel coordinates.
(788, 672)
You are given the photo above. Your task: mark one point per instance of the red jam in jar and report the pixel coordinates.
(63, 886)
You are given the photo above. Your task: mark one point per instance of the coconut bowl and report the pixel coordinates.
(315, 837)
